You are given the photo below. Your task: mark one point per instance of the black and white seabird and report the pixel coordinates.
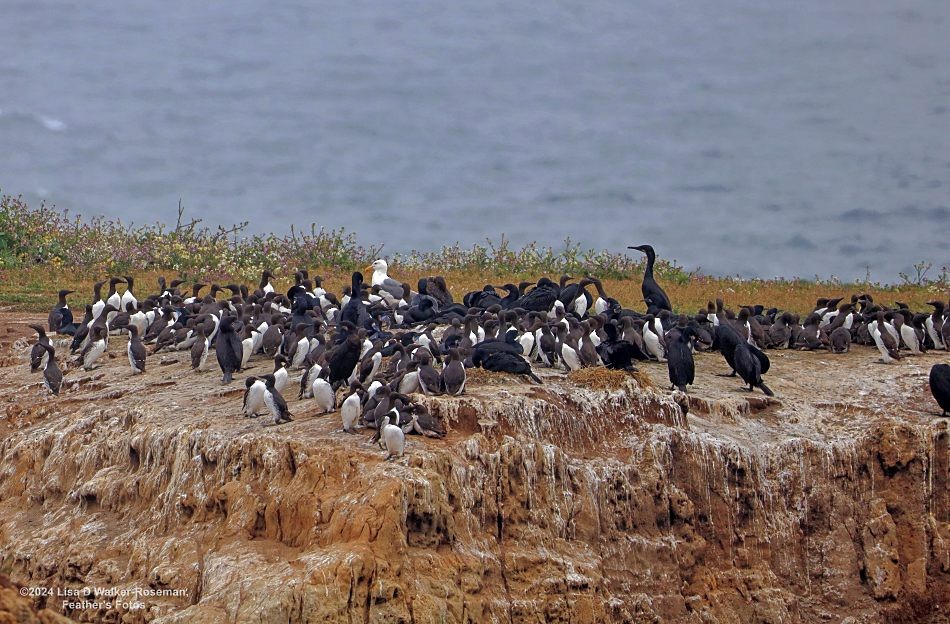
(200, 349)
(128, 296)
(265, 286)
(254, 391)
(94, 348)
(275, 402)
(934, 324)
(654, 338)
(429, 379)
(97, 301)
(52, 375)
(392, 435)
(114, 299)
(352, 408)
(39, 354)
(60, 317)
(453, 374)
(136, 351)
(81, 334)
(884, 340)
(323, 393)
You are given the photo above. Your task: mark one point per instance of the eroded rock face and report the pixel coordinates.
(557, 504)
(881, 554)
(17, 609)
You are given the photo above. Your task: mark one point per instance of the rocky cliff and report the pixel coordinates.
(591, 498)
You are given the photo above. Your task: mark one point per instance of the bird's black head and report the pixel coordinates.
(647, 249)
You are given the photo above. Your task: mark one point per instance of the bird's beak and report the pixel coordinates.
(369, 268)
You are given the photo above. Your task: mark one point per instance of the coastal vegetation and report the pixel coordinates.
(43, 249)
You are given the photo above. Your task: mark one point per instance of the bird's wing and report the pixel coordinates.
(393, 287)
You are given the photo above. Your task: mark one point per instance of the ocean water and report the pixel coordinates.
(787, 137)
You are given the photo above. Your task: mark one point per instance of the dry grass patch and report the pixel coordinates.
(484, 377)
(601, 378)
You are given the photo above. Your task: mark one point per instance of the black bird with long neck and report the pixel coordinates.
(228, 348)
(355, 311)
(654, 296)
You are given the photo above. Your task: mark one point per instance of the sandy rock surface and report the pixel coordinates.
(591, 498)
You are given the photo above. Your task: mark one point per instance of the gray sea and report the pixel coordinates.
(751, 137)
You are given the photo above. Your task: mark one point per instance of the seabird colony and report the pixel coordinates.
(378, 343)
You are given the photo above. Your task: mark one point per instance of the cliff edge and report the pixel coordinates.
(593, 497)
